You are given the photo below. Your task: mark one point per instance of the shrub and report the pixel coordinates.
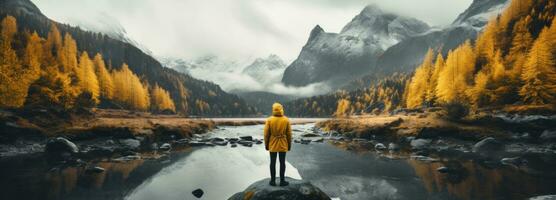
(456, 110)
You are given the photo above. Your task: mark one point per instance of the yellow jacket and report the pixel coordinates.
(277, 131)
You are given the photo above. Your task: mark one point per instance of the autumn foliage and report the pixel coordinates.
(511, 62)
(52, 72)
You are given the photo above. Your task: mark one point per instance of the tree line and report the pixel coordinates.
(511, 62)
(52, 72)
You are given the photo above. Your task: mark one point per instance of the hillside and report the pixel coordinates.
(190, 96)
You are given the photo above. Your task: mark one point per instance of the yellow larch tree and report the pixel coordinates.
(86, 76)
(539, 74)
(343, 108)
(68, 55)
(104, 79)
(454, 79)
(128, 89)
(420, 83)
(12, 93)
(521, 43)
(161, 100)
(438, 67)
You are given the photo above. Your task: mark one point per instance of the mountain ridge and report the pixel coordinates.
(338, 57)
(185, 90)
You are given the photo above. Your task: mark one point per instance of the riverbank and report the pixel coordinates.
(526, 142)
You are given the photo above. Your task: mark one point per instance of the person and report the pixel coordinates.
(277, 140)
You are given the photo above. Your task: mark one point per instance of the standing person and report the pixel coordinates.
(277, 140)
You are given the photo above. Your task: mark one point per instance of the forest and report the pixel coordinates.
(510, 66)
(52, 72)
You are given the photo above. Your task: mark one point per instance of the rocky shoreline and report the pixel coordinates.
(493, 142)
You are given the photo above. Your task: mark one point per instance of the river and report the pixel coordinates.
(221, 171)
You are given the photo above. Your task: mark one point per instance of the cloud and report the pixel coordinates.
(236, 29)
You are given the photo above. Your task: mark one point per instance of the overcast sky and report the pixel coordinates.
(235, 29)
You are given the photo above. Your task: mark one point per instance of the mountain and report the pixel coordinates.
(107, 24)
(267, 70)
(406, 55)
(187, 92)
(337, 57)
(263, 101)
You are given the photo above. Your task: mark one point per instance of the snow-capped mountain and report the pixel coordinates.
(406, 55)
(337, 57)
(209, 67)
(480, 11)
(266, 70)
(105, 23)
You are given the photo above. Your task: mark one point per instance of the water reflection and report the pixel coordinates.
(342, 169)
(219, 171)
(473, 181)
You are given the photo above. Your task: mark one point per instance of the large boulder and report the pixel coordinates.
(488, 145)
(419, 143)
(296, 190)
(60, 145)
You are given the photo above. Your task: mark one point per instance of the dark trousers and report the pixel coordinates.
(282, 158)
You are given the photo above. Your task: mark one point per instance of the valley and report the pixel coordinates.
(389, 106)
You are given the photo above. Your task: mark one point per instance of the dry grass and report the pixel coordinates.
(420, 124)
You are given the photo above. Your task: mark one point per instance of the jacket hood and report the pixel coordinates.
(277, 109)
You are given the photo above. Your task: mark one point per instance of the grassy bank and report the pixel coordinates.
(428, 125)
(98, 123)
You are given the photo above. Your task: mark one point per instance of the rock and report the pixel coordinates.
(234, 145)
(60, 145)
(217, 139)
(548, 135)
(424, 158)
(297, 141)
(303, 141)
(419, 143)
(443, 169)
(245, 143)
(220, 143)
(256, 141)
(296, 190)
(95, 169)
(165, 147)
(320, 140)
(128, 158)
(232, 139)
(198, 193)
(197, 144)
(516, 161)
(132, 144)
(488, 145)
(380, 147)
(248, 138)
(129, 153)
(182, 141)
(393, 147)
(544, 197)
(310, 135)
